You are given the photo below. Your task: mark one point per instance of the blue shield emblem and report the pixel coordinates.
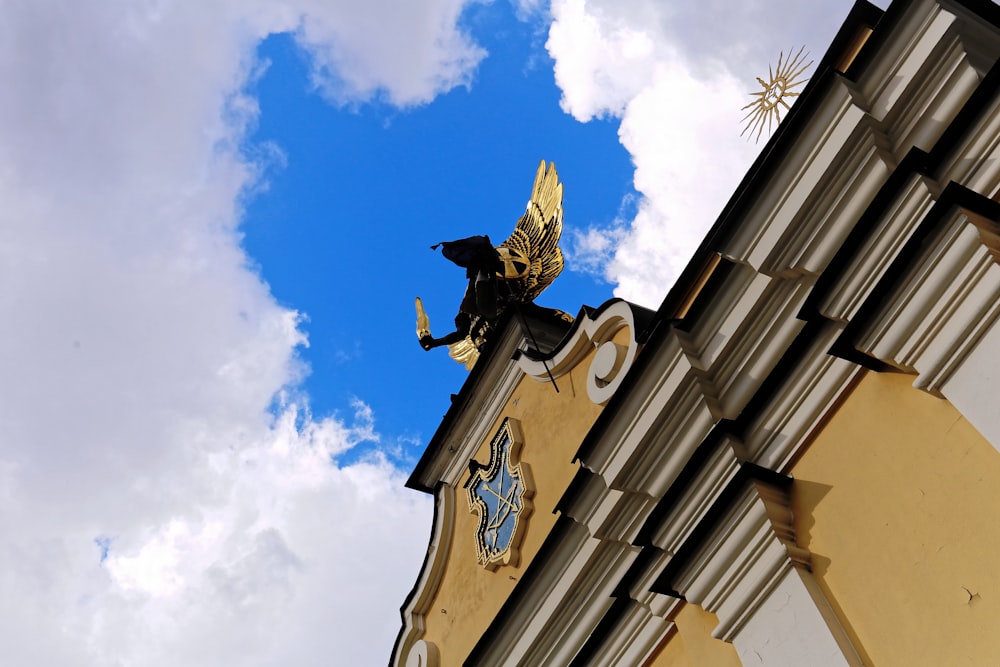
(499, 492)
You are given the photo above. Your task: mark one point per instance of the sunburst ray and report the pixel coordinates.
(765, 109)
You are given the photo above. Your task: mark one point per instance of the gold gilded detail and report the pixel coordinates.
(521, 268)
(535, 240)
(766, 108)
(423, 322)
(464, 352)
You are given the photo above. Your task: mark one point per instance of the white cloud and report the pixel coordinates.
(408, 51)
(677, 75)
(288, 568)
(601, 61)
(157, 508)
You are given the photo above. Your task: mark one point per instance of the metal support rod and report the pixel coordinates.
(524, 323)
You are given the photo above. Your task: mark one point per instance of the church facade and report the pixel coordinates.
(795, 460)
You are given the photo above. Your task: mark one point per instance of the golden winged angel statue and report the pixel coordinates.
(510, 275)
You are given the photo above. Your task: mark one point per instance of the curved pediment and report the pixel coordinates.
(507, 450)
(611, 330)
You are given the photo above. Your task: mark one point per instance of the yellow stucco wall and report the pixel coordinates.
(552, 425)
(691, 643)
(898, 499)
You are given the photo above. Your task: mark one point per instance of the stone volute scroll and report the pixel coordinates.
(610, 333)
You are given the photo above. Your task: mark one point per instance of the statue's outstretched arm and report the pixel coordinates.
(429, 342)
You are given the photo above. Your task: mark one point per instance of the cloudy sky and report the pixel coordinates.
(215, 218)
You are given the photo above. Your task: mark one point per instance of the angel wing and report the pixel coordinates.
(534, 245)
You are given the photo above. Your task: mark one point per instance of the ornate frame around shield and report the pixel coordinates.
(509, 436)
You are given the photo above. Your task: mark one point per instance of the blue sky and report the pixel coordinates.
(216, 217)
(343, 230)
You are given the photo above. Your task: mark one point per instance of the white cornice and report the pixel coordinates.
(807, 242)
(976, 162)
(690, 509)
(742, 559)
(608, 514)
(574, 613)
(903, 56)
(768, 328)
(867, 267)
(943, 304)
(808, 392)
(946, 81)
(646, 443)
(638, 635)
(803, 172)
(566, 600)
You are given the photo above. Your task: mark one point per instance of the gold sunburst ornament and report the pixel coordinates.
(766, 108)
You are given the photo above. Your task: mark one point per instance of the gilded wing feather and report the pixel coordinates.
(464, 352)
(536, 236)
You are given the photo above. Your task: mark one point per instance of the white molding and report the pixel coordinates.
(981, 39)
(426, 588)
(670, 438)
(630, 428)
(710, 334)
(638, 636)
(740, 561)
(573, 615)
(942, 87)
(817, 158)
(756, 346)
(827, 214)
(690, 509)
(609, 365)
(976, 162)
(564, 604)
(659, 604)
(423, 654)
(894, 72)
(609, 514)
(750, 563)
(660, 438)
(945, 302)
(807, 394)
(891, 232)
